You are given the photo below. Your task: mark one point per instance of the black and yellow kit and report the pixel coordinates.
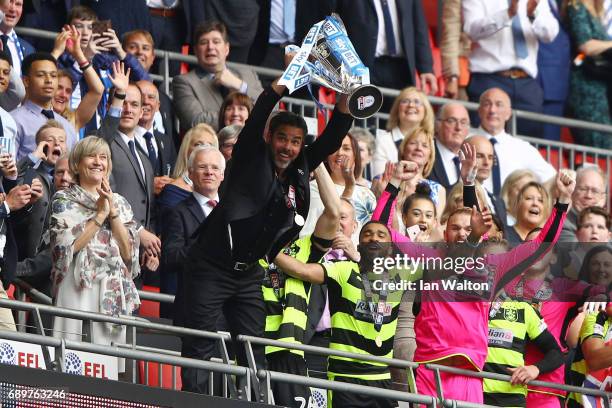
(286, 304)
(596, 325)
(511, 325)
(364, 310)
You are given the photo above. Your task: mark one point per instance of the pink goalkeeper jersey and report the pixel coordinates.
(459, 329)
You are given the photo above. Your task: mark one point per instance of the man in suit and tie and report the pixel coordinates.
(11, 42)
(205, 166)
(32, 221)
(132, 174)
(452, 126)
(392, 39)
(198, 95)
(160, 148)
(485, 157)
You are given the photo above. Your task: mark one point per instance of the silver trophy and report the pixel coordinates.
(328, 57)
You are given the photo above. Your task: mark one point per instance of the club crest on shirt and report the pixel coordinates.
(510, 315)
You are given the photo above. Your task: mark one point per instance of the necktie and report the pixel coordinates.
(391, 47)
(520, 44)
(133, 150)
(496, 173)
(289, 18)
(48, 113)
(151, 151)
(212, 203)
(457, 162)
(4, 38)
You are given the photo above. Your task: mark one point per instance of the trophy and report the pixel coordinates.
(328, 57)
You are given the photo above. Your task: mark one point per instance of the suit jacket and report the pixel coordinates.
(239, 16)
(126, 15)
(307, 13)
(499, 207)
(359, 17)
(438, 173)
(554, 61)
(178, 227)
(251, 180)
(167, 113)
(126, 177)
(199, 100)
(166, 153)
(194, 14)
(31, 221)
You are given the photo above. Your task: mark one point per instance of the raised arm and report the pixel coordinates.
(309, 272)
(329, 221)
(513, 263)
(469, 168)
(89, 102)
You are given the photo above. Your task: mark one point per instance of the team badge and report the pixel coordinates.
(510, 315)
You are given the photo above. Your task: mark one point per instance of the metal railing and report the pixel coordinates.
(165, 79)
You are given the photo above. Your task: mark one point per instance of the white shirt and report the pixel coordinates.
(607, 18)
(203, 201)
(386, 150)
(160, 4)
(277, 23)
(381, 38)
(9, 127)
(516, 154)
(487, 24)
(447, 161)
(127, 140)
(140, 139)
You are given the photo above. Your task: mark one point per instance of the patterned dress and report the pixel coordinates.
(96, 278)
(588, 97)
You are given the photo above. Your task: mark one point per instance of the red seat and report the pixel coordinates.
(149, 308)
(153, 379)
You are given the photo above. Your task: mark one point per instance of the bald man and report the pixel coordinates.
(485, 156)
(452, 127)
(512, 153)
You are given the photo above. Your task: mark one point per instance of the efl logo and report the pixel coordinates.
(364, 102)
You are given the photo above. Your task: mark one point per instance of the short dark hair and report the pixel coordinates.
(82, 13)
(284, 118)
(208, 26)
(595, 211)
(147, 35)
(26, 64)
(4, 56)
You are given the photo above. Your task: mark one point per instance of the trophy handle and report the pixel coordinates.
(365, 101)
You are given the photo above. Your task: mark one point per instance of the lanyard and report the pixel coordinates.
(379, 311)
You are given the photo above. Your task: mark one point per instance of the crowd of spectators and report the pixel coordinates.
(108, 182)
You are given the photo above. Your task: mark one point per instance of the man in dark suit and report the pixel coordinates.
(452, 127)
(554, 60)
(140, 43)
(48, 15)
(17, 46)
(263, 208)
(31, 222)
(198, 94)
(484, 158)
(206, 166)
(392, 41)
(160, 149)
(132, 174)
(272, 36)
(125, 15)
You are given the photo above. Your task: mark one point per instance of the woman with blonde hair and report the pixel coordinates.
(175, 192)
(511, 188)
(411, 109)
(94, 247)
(532, 207)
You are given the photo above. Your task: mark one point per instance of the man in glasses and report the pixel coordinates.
(590, 192)
(452, 127)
